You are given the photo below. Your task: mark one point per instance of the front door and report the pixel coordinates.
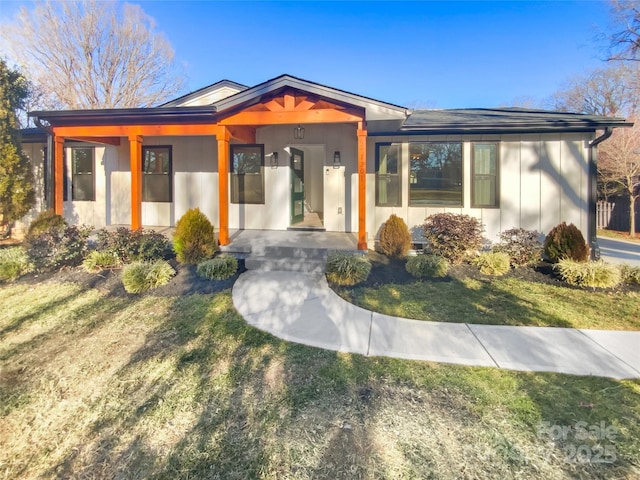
(297, 186)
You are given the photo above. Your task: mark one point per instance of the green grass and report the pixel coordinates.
(502, 301)
(619, 235)
(93, 386)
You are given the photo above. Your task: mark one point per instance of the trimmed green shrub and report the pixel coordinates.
(630, 274)
(347, 268)
(588, 274)
(140, 276)
(194, 239)
(14, 263)
(98, 260)
(219, 268)
(427, 266)
(57, 247)
(45, 222)
(453, 236)
(493, 263)
(523, 246)
(133, 245)
(395, 239)
(565, 241)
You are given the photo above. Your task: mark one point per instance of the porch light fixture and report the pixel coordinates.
(336, 160)
(274, 160)
(298, 132)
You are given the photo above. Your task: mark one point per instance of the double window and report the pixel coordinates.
(388, 190)
(247, 173)
(82, 174)
(484, 173)
(435, 174)
(156, 174)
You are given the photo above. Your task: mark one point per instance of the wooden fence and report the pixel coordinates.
(615, 215)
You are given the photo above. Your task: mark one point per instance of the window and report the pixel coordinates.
(484, 173)
(82, 178)
(435, 177)
(388, 175)
(247, 176)
(156, 174)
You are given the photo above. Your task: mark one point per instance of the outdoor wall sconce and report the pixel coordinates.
(274, 160)
(298, 132)
(336, 160)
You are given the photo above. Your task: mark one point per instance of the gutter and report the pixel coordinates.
(592, 191)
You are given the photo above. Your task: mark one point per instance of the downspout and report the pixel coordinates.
(592, 191)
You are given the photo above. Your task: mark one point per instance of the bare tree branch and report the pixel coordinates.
(92, 54)
(625, 42)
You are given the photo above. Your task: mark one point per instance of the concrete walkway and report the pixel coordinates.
(619, 251)
(302, 308)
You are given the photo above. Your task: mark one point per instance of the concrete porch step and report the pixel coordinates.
(287, 259)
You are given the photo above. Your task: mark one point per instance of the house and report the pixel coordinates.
(291, 153)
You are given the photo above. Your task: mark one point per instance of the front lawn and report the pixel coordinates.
(525, 296)
(101, 385)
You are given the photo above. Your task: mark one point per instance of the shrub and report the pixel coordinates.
(98, 260)
(219, 268)
(45, 222)
(57, 247)
(427, 266)
(522, 246)
(493, 263)
(629, 274)
(133, 245)
(194, 239)
(14, 263)
(140, 276)
(588, 274)
(347, 269)
(395, 239)
(565, 241)
(453, 236)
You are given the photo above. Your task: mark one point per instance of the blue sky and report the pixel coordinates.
(426, 54)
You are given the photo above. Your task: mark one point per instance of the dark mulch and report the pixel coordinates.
(185, 282)
(385, 270)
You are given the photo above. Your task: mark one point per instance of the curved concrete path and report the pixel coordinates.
(302, 308)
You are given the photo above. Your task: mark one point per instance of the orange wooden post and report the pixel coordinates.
(223, 136)
(58, 175)
(135, 162)
(362, 186)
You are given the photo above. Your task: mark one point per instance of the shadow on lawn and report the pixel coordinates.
(207, 396)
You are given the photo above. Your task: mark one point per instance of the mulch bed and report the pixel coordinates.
(185, 282)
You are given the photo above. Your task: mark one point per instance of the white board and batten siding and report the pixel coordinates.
(543, 181)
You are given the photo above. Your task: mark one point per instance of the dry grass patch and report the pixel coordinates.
(94, 386)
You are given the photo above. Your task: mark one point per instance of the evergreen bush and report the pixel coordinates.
(347, 268)
(427, 266)
(219, 268)
(589, 274)
(395, 239)
(493, 263)
(522, 246)
(194, 240)
(14, 263)
(45, 222)
(453, 236)
(565, 242)
(141, 276)
(57, 247)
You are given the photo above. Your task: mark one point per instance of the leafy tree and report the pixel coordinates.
(17, 194)
(619, 164)
(93, 54)
(625, 42)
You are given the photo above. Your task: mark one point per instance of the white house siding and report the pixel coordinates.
(35, 152)
(543, 181)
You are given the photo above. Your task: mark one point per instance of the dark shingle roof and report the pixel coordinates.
(504, 120)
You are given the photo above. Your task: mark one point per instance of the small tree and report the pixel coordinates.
(619, 164)
(17, 194)
(395, 239)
